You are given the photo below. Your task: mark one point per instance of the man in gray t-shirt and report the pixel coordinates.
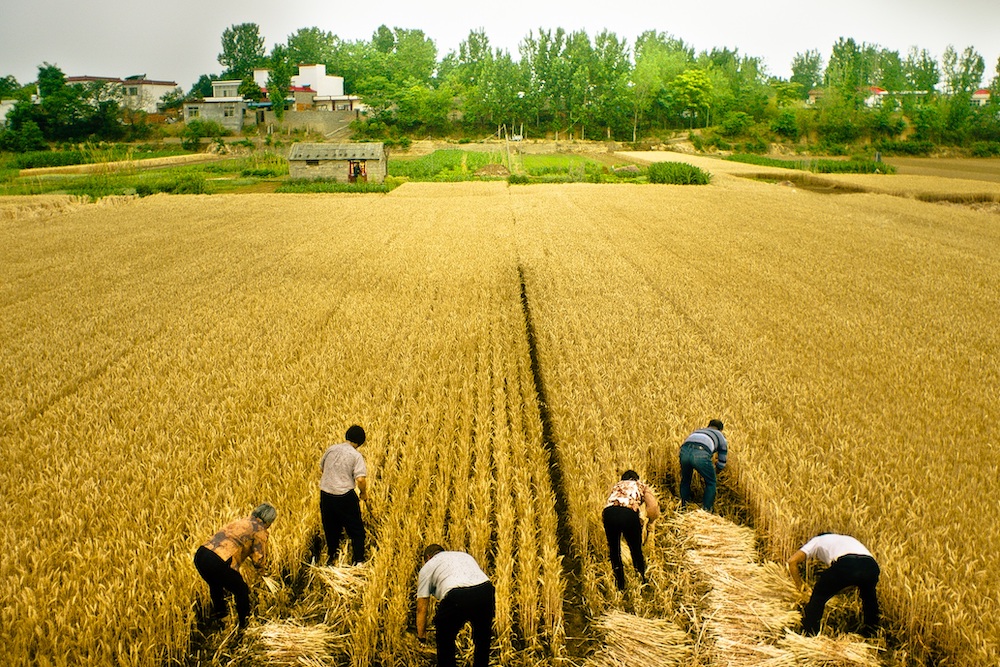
(343, 468)
(465, 595)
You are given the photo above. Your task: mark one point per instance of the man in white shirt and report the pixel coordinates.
(343, 468)
(849, 564)
(465, 595)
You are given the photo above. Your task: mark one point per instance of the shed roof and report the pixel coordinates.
(360, 151)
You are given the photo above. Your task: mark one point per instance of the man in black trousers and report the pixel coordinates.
(343, 468)
(465, 595)
(849, 564)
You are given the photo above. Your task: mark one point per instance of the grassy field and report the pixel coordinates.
(169, 362)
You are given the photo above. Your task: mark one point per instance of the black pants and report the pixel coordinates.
(624, 522)
(220, 579)
(476, 605)
(341, 513)
(846, 571)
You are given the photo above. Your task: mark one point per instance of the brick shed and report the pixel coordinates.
(346, 163)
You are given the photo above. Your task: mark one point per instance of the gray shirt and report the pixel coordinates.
(341, 465)
(446, 571)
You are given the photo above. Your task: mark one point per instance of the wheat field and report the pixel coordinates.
(168, 363)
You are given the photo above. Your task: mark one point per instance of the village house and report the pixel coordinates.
(137, 92)
(346, 163)
(226, 106)
(314, 90)
(981, 97)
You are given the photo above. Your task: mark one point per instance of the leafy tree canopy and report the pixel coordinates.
(242, 50)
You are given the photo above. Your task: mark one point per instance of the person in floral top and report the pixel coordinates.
(621, 519)
(218, 560)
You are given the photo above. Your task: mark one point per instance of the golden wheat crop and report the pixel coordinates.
(169, 362)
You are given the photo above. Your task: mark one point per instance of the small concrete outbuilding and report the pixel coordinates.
(346, 163)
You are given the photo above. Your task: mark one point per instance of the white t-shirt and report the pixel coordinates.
(448, 570)
(828, 548)
(341, 465)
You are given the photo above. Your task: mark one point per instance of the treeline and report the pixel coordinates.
(571, 85)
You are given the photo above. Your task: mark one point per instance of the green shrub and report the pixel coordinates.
(37, 159)
(736, 123)
(910, 147)
(786, 125)
(518, 179)
(755, 145)
(197, 130)
(678, 173)
(985, 148)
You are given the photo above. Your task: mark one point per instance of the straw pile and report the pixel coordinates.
(291, 643)
(747, 607)
(823, 651)
(633, 640)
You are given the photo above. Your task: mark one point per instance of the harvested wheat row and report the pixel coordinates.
(632, 640)
(749, 605)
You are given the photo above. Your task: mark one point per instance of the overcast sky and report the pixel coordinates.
(177, 40)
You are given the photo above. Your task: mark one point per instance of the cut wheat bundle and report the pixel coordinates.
(341, 581)
(633, 639)
(823, 651)
(292, 643)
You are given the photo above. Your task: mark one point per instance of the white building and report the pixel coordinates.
(145, 94)
(327, 89)
(138, 92)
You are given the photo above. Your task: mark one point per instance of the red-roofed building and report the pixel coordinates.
(875, 96)
(981, 97)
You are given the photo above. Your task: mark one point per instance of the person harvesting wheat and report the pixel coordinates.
(465, 595)
(849, 564)
(343, 468)
(218, 561)
(697, 453)
(621, 519)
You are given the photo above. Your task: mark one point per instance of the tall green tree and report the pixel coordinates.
(546, 71)
(920, 69)
(962, 73)
(610, 74)
(9, 87)
(312, 46)
(659, 59)
(807, 71)
(691, 91)
(202, 88)
(890, 71)
(242, 50)
(279, 79)
(995, 86)
(849, 71)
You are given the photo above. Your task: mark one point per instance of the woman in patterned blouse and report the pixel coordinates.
(621, 519)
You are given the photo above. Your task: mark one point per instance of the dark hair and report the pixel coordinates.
(631, 475)
(432, 550)
(715, 423)
(356, 434)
